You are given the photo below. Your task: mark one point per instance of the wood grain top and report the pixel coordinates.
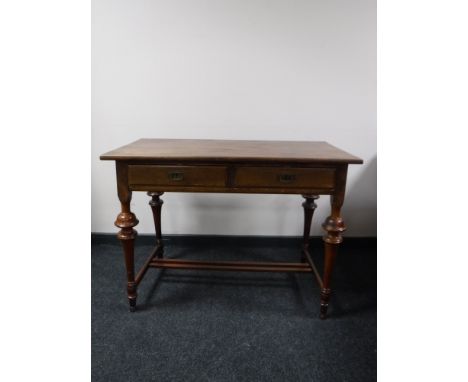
(231, 151)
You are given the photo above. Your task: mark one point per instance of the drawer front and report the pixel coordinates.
(155, 175)
(282, 177)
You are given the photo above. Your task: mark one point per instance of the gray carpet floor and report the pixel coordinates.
(229, 326)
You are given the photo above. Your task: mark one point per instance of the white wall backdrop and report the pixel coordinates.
(235, 69)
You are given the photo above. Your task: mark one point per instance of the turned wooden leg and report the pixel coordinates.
(334, 227)
(126, 220)
(156, 204)
(309, 208)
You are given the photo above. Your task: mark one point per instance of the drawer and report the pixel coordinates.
(155, 175)
(285, 177)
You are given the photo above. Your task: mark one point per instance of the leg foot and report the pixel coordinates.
(324, 298)
(132, 304)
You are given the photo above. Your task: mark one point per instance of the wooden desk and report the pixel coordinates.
(309, 169)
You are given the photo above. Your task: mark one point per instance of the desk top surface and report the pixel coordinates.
(230, 150)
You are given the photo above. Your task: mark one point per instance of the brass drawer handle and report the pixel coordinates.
(176, 176)
(286, 178)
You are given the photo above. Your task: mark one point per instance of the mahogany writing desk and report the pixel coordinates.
(309, 169)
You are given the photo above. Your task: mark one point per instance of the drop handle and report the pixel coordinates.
(286, 178)
(176, 176)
